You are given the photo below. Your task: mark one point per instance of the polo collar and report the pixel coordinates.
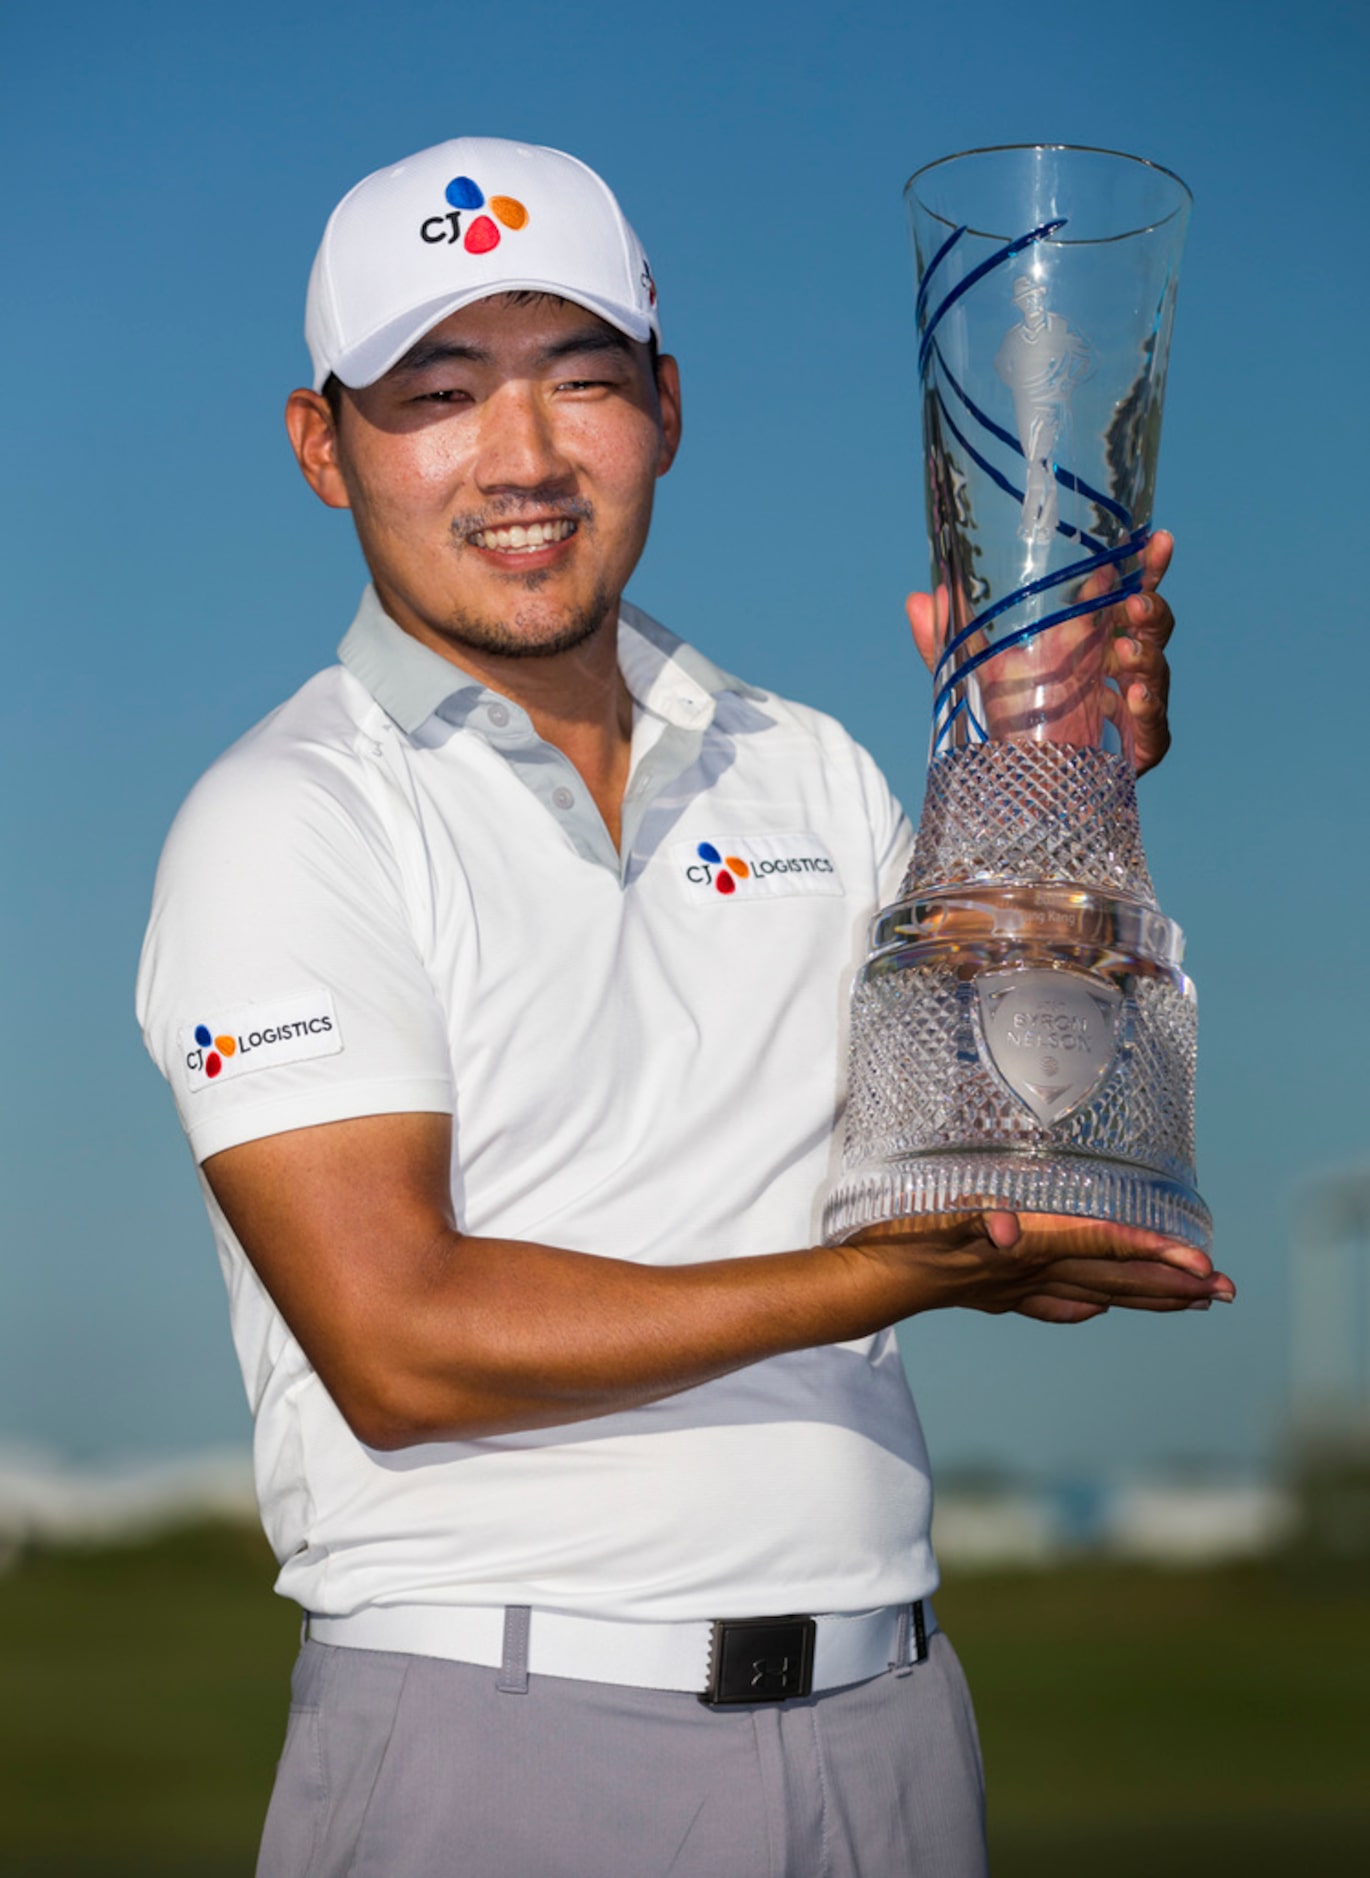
(410, 681)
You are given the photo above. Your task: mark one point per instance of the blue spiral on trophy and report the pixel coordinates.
(977, 432)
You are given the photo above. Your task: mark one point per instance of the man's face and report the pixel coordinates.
(1033, 303)
(500, 476)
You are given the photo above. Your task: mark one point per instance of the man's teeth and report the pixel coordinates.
(529, 536)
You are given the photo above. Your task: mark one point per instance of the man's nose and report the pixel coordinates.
(519, 448)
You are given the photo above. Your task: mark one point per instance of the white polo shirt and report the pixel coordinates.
(393, 896)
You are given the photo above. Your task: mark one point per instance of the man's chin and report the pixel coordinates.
(529, 635)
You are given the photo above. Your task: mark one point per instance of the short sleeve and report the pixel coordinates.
(891, 831)
(282, 981)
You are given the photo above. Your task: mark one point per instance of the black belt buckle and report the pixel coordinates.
(760, 1659)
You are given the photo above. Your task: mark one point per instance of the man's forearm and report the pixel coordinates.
(511, 1335)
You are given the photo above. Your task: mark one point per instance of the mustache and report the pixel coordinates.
(546, 505)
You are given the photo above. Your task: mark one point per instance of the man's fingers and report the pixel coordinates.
(1157, 558)
(1056, 1236)
(1143, 674)
(1049, 1265)
(1145, 701)
(928, 618)
(1048, 1310)
(1139, 653)
(1149, 623)
(1141, 1283)
(1046, 1247)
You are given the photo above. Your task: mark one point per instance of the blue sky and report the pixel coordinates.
(169, 579)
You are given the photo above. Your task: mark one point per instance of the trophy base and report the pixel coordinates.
(1030, 1047)
(981, 1180)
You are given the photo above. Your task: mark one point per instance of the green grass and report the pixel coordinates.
(1171, 1723)
(1134, 1722)
(142, 1707)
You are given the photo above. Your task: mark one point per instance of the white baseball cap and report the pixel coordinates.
(456, 223)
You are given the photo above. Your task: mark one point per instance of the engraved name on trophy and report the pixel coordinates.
(1022, 1033)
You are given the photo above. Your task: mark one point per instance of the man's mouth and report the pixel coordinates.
(523, 537)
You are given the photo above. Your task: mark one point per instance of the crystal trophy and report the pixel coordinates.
(1023, 1036)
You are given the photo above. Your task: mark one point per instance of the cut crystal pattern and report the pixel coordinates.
(925, 1099)
(1024, 812)
(916, 1086)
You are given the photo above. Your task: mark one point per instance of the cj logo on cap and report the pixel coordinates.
(465, 196)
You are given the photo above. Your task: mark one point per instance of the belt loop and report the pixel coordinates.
(513, 1675)
(901, 1663)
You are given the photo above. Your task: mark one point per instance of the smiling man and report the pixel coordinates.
(497, 977)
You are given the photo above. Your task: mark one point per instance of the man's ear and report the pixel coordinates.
(668, 396)
(314, 439)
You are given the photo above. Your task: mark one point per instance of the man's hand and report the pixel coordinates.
(1142, 623)
(1049, 1266)
(1140, 663)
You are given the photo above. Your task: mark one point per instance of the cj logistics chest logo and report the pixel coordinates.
(465, 197)
(756, 867)
(260, 1036)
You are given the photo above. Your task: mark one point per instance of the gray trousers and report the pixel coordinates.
(412, 1767)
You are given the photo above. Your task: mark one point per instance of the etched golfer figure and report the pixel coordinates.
(1041, 361)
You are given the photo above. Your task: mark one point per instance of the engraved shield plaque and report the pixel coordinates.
(1050, 1034)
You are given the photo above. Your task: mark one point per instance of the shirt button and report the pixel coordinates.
(563, 798)
(499, 715)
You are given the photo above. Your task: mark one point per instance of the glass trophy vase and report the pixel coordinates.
(1023, 1035)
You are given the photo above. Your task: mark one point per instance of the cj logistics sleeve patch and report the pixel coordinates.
(225, 1044)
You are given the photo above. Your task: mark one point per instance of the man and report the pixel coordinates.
(513, 1119)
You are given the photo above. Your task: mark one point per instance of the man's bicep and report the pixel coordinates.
(346, 1225)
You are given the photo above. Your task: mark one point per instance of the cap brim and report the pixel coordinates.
(371, 358)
